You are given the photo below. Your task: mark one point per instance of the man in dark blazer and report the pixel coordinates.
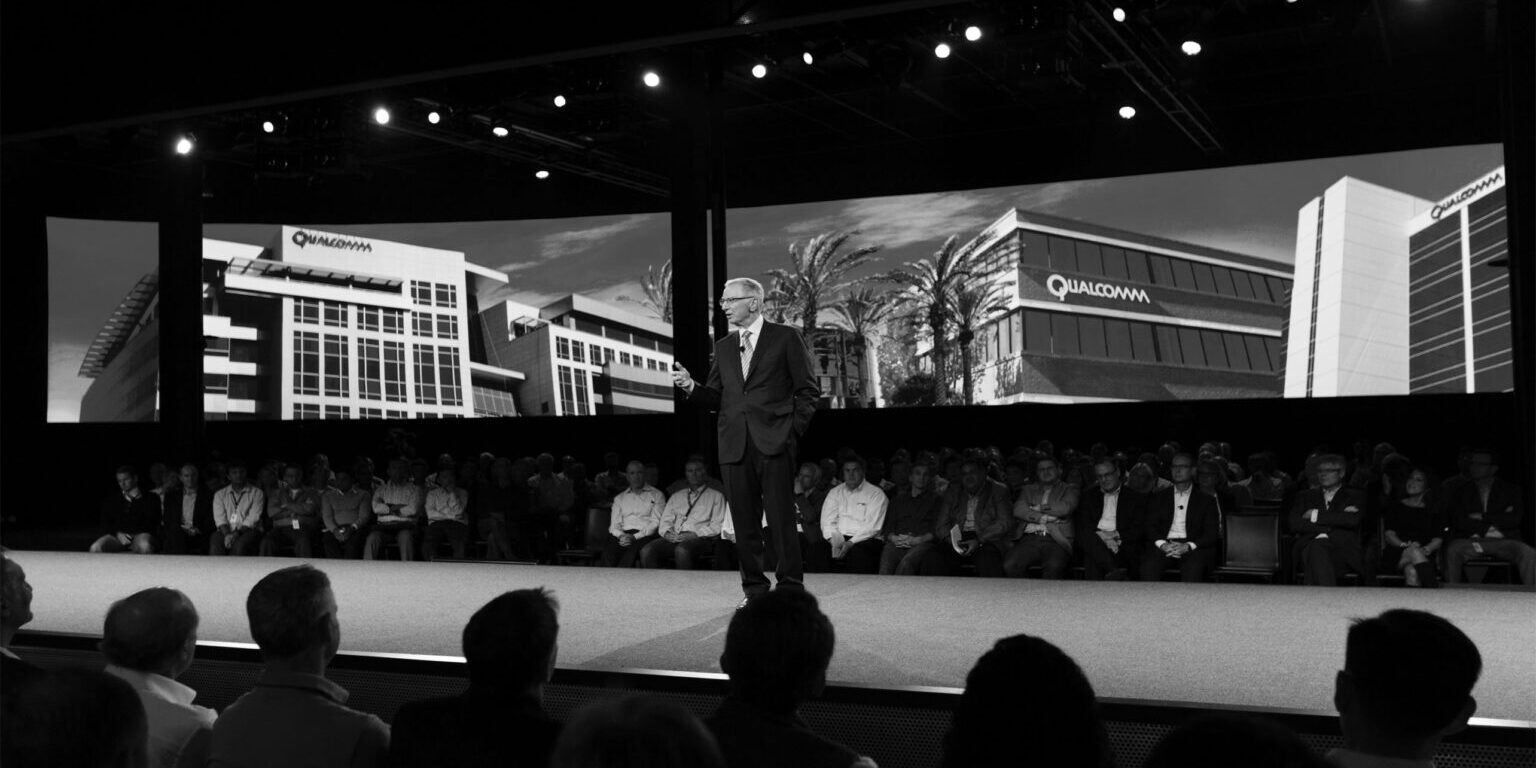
(976, 523)
(762, 384)
(180, 533)
(1182, 526)
(1485, 517)
(1326, 521)
(1111, 547)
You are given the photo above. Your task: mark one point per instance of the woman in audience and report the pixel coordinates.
(636, 732)
(1413, 530)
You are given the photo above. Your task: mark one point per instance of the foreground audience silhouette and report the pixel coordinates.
(1224, 740)
(510, 647)
(149, 639)
(776, 653)
(77, 718)
(15, 612)
(294, 716)
(1406, 684)
(636, 732)
(1058, 709)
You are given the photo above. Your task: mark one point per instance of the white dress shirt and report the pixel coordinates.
(443, 504)
(406, 495)
(755, 328)
(1111, 507)
(700, 512)
(858, 513)
(238, 509)
(637, 510)
(188, 507)
(1180, 513)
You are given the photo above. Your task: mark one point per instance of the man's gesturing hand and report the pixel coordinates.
(680, 376)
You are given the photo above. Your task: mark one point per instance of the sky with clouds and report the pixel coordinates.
(1246, 209)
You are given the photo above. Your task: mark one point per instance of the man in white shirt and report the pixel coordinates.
(396, 505)
(690, 523)
(447, 517)
(149, 639)
(237, 510)
(636, 517)
(852, 517)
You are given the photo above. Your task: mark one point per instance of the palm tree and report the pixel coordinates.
(974, 305)
(780, 303)
(657, 287)
(931, 285)
(864, 310)
(817, 269)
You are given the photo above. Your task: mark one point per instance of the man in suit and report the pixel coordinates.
(186, 515)
(1485, 520)
(1045, 508)
(762, 384)
(129, 518)
(975, 523)
(1110, 522)
(1326, 521)
(1182, 525)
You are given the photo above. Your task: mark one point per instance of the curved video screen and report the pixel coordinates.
(1381, 274)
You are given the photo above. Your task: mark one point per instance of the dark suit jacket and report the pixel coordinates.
(1201, 525)
(773, 405)
(994, 512)
(1130, 515)
(141, 515)
(202, 510)
(478, 728)
(1336, 519)
(1504, 510)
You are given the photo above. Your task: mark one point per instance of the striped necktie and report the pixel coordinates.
(746, 352)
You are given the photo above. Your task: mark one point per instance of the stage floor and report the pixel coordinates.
(1270, 647)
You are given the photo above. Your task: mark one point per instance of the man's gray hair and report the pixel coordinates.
(753, 287)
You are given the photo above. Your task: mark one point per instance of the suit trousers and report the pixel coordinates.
(616, 555)
(943, 560)
(1035, 549)
(815, 553)
(755, 486)
(179, 542)
(1098, 561)
(1323, 559)
(1193, 566)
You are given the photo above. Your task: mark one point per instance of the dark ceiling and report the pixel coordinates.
(92, 97)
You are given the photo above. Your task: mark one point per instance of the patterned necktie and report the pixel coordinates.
(746, 352)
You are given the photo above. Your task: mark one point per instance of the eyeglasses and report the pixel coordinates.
(726, 301)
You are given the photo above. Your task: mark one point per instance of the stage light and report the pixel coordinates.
(941, 50)
(267, 126)
(559, 100)
(759, 71)
(652, 79)
(973, 33)
(501, 133)
(1190, 48)
(381, 116)
(808, 58)
(434, 117)
(541, 174)
(1118, 14)
(184, 146)
(1127, 112)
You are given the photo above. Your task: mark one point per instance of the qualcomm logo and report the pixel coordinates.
(1451, 202)
(302, 238)
(1061, 286)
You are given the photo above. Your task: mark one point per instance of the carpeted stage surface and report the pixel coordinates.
(1232, 644)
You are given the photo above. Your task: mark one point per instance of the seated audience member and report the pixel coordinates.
(363, 477)
(975, 525)
(1016, 476)
(1485, 516)
(500, 503)
(1111, 522)
(1181, 526)
(635, 518)
(294, 716)
(15, 612)
(636, 732)
(777, 650)
(1044, 535)
(1059, 711)
(346, 511)
(851, 519)
(1413, 530)
(809, 498)
(548, 524)
(149, 639)
(710, 481)
(129, 517)
(75, 717)
(1210, 479)
(509, 647)
(690, 522)
(396, 506)
(1326, 521)
(186, 518)
(1406, 684)
(1142, 479)
(294, 515)
(237, 511)
(1224, 740)
(447, 516)
(1264, 482)
(874, 474)
(910, 520)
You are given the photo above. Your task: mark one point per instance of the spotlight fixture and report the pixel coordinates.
(381, 116)
(941, 50)
(1118, 14)
(559, 100)
(759, 71)
(434, 117)
(267, 126)
(808, 58)
(652, 79)
(1190, 48)
(973, 33)
(541, 174)
(501, 133)
(1127, 112)
(184, 145)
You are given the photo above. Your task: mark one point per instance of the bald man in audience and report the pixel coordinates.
(149, 639)
(636, 517)
(690, 522)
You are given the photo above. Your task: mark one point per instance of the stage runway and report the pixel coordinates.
(1271, 647)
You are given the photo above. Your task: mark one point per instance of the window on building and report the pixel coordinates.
(1237, 352)
(562, 348)
(388, 414)
(1064, 335)
(1258, 357)
(421, 324)
(306, 363)
(578, 351)
(1090, 332)
(306, 311)
(394, 371)
(370, 413)
(1224, 281)
(1204, 281)
(1162, 270)
(335, 314)
(1276, 351)
(1215, 349)
(421, 293)
(1276, 289)
(368, 318)
(449, 376)
(426, 375)
(336, 366)
(1117, 336)
(447, 295)
(447, 326)
(1143, 344)
(370, 370)
(1090, 258)
(394, 320)
(338, 411)
(568, 389)
(1194, 350)
(1169, 350)
(303, 411)
(1037, 331)
(1035, 251)
(1114, 264)
(215, 346)
(626, 359)
(1136, 266)
(1063, 255)
(1241, 287)
(1183, 274)
(215, 383)
(1260, 288)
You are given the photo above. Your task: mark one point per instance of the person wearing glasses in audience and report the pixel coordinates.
(1326, 521)
(1182, 525)
(1110, 519)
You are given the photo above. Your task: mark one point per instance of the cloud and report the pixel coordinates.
(1049, 198)
(562, 244)
(517, 265)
